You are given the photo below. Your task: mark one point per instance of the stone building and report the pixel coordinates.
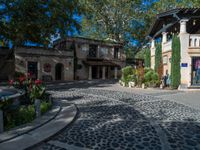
(94, 59)
(69, 59)
(186, 23)
(46, 64)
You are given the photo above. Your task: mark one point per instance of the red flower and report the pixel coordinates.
(29, 74)
(38, 82)
(11, 82)
(22, 78)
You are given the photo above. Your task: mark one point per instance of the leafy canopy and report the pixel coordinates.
(36, 20)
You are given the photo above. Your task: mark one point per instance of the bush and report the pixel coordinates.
(24, 114)
(127, 74)
(151, 78)
(146, 69)
(45, 106)
(127, 71)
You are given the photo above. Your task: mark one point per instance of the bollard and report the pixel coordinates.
(37, 104)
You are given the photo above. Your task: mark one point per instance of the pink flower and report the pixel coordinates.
(38, 82)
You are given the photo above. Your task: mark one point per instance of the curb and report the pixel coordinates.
(67, 115)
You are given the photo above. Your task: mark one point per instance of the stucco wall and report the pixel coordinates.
(167, 64)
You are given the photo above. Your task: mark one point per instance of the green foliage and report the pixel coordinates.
(134, 75)
(127, 71)
(147, 60)
(117, 20)
(141, 54)
(151, 77)
(37, 20)
(127, 74)
(36, 91)
(175, 62)
(45, 106)
(158, 57)
(23, 115)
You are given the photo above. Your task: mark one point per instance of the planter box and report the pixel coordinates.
(122, 83)
(131, 84)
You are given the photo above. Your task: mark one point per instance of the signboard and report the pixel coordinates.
(184, 65)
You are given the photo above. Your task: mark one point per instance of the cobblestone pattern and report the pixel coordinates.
(183, 135)
(122, 121)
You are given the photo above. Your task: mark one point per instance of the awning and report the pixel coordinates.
(169, 21)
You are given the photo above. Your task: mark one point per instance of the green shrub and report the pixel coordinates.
(24, 114)
(127, 71)
(147, 69)
(175, 64)
(127, 74)
(45, 106)
(151, 78)
(155, 76)
(148, 76)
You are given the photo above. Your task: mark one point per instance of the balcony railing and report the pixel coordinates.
(194, 40)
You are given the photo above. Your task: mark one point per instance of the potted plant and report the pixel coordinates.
(36, 91)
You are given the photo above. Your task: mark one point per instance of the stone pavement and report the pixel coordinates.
(112, 117)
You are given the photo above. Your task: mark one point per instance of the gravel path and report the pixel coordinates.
(126, 121)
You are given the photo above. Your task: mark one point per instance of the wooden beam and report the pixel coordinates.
(164, 29)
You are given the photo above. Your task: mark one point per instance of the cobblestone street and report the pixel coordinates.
(123, 120)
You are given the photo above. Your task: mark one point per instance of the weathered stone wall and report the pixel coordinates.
(45, 57)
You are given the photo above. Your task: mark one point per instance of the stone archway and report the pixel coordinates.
(59, 71)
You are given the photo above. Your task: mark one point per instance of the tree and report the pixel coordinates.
(36, 20)
(124, 20)
(147, 60)
(175, 62)
(116, 20)
(158, 57)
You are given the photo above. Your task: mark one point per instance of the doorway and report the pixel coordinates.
(59, 70)
(33, 69)
(94, 72)
(196, 71)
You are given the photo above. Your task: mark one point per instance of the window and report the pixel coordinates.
(104, 51)
(84, 48)
(116, 53)
(93, 51)
(165, 60)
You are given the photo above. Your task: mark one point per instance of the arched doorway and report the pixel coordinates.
(59, 68)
